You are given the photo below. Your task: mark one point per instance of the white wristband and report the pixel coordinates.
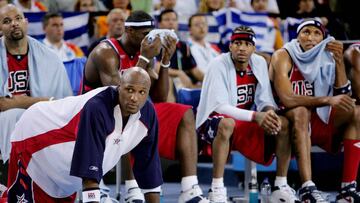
(144, 58)
(91, 196)
(165, 66)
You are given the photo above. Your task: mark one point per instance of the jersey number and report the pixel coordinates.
(245, 93)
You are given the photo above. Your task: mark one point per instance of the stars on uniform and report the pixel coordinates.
(21, 199)
(210, 133)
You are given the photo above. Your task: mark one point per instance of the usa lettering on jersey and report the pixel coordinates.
(18, 81)
(302, 87)
(245, 93)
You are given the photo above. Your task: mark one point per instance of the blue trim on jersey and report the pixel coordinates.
(96, 123)
(147, 166)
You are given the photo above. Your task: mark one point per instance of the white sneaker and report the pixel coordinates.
(103, 188)
(193, 195)
(284, 194)
(218, 195)
(311, 194)
(134, 195)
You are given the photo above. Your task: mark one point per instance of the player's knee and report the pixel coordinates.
(226, 128)
(301, 115)
(300, 119)
(188, 118)
(284, 126)
(356, 116)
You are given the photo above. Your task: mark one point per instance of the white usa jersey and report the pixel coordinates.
(59, 142)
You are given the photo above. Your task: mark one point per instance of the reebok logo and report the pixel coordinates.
(93, 168)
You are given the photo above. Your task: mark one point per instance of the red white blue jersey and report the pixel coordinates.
(18, 81)
(78, 137)
(246, 85)
(125, 62)
(300, 86)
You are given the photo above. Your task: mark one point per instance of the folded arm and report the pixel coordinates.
(19, 101)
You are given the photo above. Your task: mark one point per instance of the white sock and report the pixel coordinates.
(217, 182)
(130, 184)
(344, 184)
(307, 184)
(280, 181)
(187, 182)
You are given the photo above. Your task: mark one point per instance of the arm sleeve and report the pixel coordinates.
(147, 167)
(238, 114)
(94, 126)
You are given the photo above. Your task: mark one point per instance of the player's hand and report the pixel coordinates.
(355, 56)
(343, 102)
(4, 104)
(150, 49)
(269, 121)
(336, 47)
(169, 48)
(9, 103)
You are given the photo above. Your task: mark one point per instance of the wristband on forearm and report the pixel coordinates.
(144, 59)
(91, 195)
(345, 89)
(165, 65)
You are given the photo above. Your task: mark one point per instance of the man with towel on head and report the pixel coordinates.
(310, 80)
(237, 112)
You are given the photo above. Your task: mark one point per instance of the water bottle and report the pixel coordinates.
(265, 191)
(253, 190)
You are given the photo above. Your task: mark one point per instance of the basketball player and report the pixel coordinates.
(63, 145)
(177, 135)
(242, 115)
(310, 80)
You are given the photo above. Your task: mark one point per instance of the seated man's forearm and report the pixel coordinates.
(26, 102)
(22, 102)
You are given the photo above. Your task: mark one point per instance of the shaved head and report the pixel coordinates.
(135, 74)
(9, 7)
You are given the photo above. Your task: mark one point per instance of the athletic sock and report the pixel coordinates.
(280, 181)
(130, 184)
(217, 183)
(308, 183)
(351, 160)
(187, 182)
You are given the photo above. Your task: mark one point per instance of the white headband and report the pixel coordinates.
(139, 24)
